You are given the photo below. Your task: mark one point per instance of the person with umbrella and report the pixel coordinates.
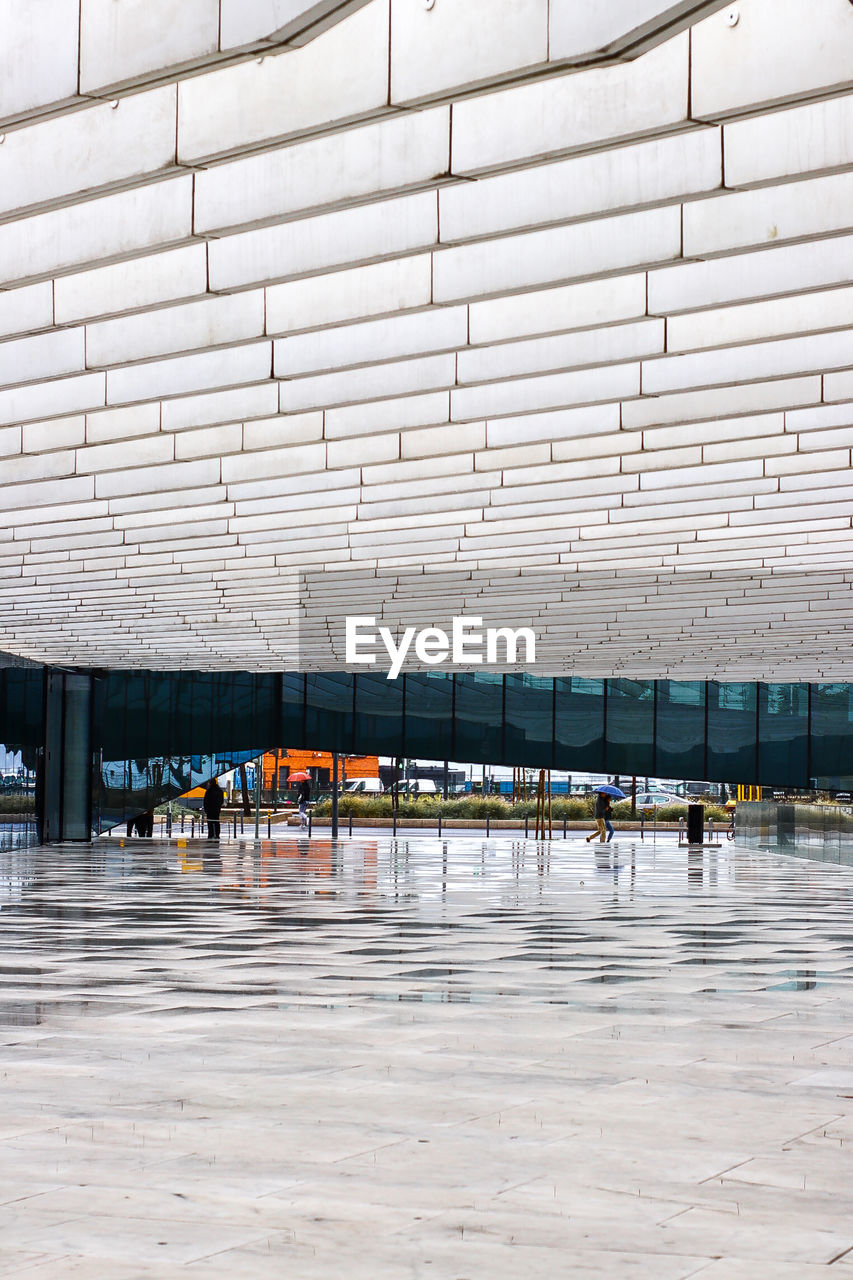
(303, 795)
(603, 804)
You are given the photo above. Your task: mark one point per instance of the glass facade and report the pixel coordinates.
(158, 734)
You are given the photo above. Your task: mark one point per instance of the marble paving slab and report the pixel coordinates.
(465, 1060)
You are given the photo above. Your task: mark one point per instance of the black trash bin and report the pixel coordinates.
(695, 823)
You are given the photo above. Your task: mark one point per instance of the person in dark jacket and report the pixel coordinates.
(142, 824)
(214, 798)
(303, 798)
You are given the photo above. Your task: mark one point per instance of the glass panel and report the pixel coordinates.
(160, 715)
(184, 735)
(22, 709)
(783, 733)
(680, 748)
(329, 720)
(263, 729)
(579, 731)
(832, 731)
(732, 733)
(202, 713)
(630, 727)
(429, 716)
(113, 727)
(378, 714)
(292, 710)
(479, 717)
(528, 736)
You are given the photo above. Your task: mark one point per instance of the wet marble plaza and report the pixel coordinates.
(457, 1060)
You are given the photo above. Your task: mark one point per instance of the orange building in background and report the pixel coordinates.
(282, 763)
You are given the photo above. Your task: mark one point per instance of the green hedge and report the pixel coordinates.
(17, 804)
(574, 808)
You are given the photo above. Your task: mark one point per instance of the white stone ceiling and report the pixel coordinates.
(411, 301)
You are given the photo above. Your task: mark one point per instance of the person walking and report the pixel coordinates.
(602, 808)
(608, 825)
(303, 798)
(214, 798)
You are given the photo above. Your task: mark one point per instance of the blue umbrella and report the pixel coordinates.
(612, 791)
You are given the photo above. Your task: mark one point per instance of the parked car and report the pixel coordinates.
(364, 787)
(657, 799)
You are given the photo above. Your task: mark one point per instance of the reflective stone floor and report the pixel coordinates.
(456, 1061)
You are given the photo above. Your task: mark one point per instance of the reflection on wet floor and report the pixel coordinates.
(477, 1055)
(370, 910)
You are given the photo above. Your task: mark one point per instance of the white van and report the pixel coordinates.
(418, 787)
(364, 787)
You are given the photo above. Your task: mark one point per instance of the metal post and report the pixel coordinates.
(350, 821)
(258, 777)
(565, 826)
(526, 826)
(241, 824)
(235, 824)
(192, 830)
(334, 795)
(488, 825)
(269, 825)
(439, 824)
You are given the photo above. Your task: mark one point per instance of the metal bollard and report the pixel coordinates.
(192, 831)
(680, 830)
(526, 826)
(310, 817)
(393, 822)
(350, 822)
(710, 831)
(235, 824)
(182, 820)
(269, 826)
(488, 825)
(439, 824)
(241, 824)
(565, 828)
(642, 827)
(169, 825)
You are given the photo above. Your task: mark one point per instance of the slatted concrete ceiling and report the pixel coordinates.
(474, 303)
